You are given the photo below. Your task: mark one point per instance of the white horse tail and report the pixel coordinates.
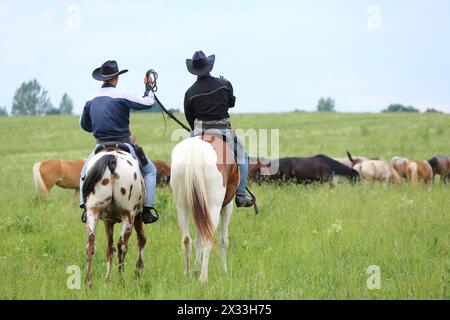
(413, 172)
(38, 181)
(196, 191)
(191, 161)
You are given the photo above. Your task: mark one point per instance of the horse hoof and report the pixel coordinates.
(88, 282)
(137, 274)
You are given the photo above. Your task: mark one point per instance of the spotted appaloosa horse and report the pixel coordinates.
(204, 180)
(114, 192)
(63, 173)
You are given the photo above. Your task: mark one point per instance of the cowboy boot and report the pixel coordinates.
(147, 215)
(242, 200)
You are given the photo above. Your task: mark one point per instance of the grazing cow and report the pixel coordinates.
(255, 166)
(319, 168)
(441, 166)
(399, 165)
(63, 173)
(163, 172)
(204, 181)
(114, 192)
(419, 171)
(375, 170)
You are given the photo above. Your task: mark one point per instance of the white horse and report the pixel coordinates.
(114, 192)
(204, 180)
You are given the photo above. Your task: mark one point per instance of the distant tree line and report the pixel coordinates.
(400, 108)
(328, 105)
(397, 107)
(32, 99)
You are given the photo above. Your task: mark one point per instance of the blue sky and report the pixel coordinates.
(279, 55)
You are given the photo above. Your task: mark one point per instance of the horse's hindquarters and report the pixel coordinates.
(199, 180)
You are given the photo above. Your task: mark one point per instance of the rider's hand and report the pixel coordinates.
(148, 80)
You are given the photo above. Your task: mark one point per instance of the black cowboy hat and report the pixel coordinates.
(107, 71)
(200, 64)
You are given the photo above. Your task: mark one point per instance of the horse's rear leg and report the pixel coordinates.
(207, 245)
(225, 216)
(198, 254)
(122, 245)
(186, 241)
(109, 229)
(142, 240)
(91, 224)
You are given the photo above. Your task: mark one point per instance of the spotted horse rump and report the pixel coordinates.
(114, 192)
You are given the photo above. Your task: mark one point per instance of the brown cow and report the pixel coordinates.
(254, 168)
(163, 172)
(63, 173)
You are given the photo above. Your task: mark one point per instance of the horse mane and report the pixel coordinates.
(339, 169)
(97, 172)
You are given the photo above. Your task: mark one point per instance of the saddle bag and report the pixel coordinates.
(140, 154)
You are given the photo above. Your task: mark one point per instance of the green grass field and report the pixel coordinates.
(307, 242)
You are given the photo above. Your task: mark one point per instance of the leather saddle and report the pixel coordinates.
(110, 146)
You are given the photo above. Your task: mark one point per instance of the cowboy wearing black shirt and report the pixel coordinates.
(206, 105)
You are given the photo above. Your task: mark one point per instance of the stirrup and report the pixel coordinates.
(244, 201)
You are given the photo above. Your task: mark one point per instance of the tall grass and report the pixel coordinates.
(307, 242)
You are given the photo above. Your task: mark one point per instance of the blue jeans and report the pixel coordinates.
(149, 173)
(241, 155)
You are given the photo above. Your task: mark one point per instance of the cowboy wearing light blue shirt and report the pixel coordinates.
(107, 115)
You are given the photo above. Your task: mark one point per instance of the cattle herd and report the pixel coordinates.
(319, 169)
(322, 168)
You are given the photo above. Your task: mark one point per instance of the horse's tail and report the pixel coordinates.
(350, 157)
(97, 171)
(412, 172)
(395, 176)
(195, 187)
(38, 181)
(339, 168)
(191, 162)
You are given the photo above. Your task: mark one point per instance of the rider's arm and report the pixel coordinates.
(231, 97)
(136, 102)
(85, 119)
(188, 112)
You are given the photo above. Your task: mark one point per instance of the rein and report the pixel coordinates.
(154, 87)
